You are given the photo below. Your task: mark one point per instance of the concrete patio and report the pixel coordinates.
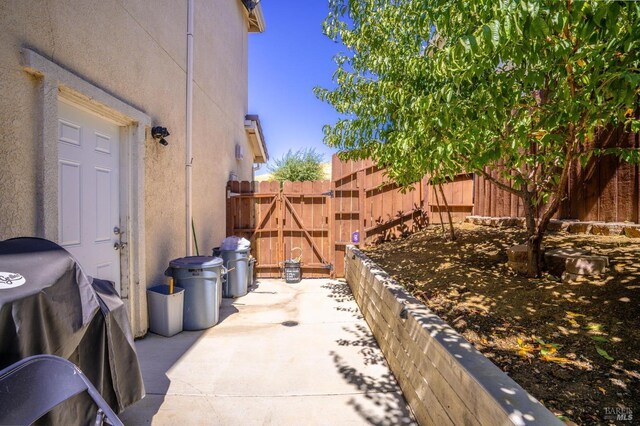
(285, 354)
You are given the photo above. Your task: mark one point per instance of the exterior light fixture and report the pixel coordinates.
(160, 133)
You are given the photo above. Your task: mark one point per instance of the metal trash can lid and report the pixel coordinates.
(191, 262)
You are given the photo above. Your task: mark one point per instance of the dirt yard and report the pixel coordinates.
(575, 347)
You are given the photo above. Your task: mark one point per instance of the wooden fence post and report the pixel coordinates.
(362, 195)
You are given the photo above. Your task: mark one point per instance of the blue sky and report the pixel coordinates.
(285, 63)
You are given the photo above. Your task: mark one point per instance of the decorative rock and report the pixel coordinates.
(587, 265)
(632, 231)
(495, 222)
(518, 253)
(519, 267)
(556, 259)
(518, 256)
(579, 228)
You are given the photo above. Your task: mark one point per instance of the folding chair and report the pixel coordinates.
(35, 385)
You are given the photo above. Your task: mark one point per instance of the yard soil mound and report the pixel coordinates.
(575, 347)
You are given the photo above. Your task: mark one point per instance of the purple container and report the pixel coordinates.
(355, 237)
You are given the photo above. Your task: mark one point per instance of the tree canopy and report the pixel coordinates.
(519, 87)
(301, 165)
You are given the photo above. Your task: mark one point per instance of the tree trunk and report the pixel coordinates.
(534, 237)
(452, 233)
(435, 192)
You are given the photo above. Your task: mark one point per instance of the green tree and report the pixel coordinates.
(518, 87)
(302, 165)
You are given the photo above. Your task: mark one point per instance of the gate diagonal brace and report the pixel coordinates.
(306, 233)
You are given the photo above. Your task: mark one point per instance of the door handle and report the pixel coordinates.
(119, 245)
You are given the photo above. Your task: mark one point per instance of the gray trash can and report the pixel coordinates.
(165, 310)
(237, 279)
(200, 276)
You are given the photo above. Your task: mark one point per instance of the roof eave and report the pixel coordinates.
(256, 138)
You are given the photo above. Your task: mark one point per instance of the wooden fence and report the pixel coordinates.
(459, 197)
(365, 202)
(317, 220)
(606, 189)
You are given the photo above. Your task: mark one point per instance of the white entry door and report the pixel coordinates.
(89, 191)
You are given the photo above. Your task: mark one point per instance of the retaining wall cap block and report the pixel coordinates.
(587, 265)
(569, 278)
(511, 222)
(556, 225)
(580, 228)
(632, 231)
(556, 259)
(606, 229)
(566, 252)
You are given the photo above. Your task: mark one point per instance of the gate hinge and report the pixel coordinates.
(328, 193)
(328, 266)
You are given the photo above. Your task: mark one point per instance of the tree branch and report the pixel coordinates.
(500, 185)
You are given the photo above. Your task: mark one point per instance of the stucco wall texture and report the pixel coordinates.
(136, 50)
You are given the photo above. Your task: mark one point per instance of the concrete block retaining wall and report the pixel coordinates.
(445, 380)
(628, 229)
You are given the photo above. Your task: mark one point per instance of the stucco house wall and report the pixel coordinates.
(134, 52)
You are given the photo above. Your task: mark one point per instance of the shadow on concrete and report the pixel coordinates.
(382, 391)
(341, 293)
(157, 355)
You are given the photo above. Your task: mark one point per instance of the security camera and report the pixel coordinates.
(160, 133)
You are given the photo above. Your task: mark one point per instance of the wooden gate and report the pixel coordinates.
(283, 223)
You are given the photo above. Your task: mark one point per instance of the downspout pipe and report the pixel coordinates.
(189, 135)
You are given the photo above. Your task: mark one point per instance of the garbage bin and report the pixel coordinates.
(200, 276)
(236, 281)
(252, 276)
(234, 252)
(165, 310)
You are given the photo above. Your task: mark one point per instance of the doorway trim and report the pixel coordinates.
(55, 82)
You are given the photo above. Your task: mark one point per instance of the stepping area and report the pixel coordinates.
(284, 354)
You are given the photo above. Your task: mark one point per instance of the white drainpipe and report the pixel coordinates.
(189, 124)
